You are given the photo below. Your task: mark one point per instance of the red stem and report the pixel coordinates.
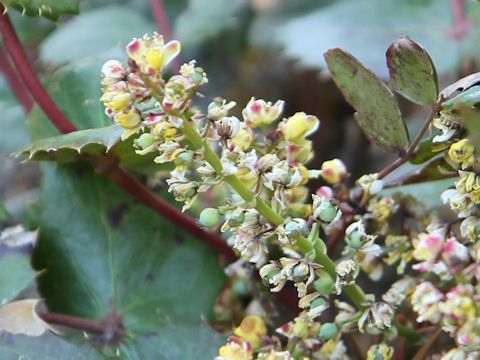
(176, 217)
(122, 178)
(29, 77)
(413, 146)
(160, 15)
(73, 322)
(14, 82)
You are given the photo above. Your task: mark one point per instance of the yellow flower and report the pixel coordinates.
(261, 113)
(380, 352)
(252, 329)
(130, 120)
(297, 127)
(333, 171)
(462, 153)
(151, 53)
(243, 139)
(235, 349)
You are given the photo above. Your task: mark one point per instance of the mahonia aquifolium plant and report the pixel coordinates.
(259, 163)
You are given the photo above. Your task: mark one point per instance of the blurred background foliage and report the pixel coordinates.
(271, 49)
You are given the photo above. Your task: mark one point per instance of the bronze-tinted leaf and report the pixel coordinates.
(412, 73)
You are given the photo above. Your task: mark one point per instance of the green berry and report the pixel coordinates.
(145, 140)
(328, 331)
(324, 284)
(327, 213)
(184, 158)
(354, 239)
(317, 302)
(209, 217)
(197, 78)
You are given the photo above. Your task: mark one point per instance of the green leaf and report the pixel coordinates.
(427, 150)
(366, 28)
(377, 110)
(50, 9)
(412, 73)
(70, 147)
(186, 342)
(467, 98)
(4, 215)
(435, 169)
(16, 274)
(101, 252)
(203, 19)
(81, 37)
(45, 347)
(428, 192)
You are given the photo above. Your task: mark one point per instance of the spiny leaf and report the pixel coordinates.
(97, 244)
(50, 9)
(412, 73)
(68, 147)
(377, 110)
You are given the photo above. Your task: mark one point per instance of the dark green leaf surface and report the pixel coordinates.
(45, 347)
(412, 73)
(50, 9)
(377, 110)
(102, 253)
(94, 32)
(186, 342)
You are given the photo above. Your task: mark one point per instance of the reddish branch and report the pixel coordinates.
(29, 77)
(73, 322)
(14, 82)
(63, 124)
(461, 24)
(413, 146)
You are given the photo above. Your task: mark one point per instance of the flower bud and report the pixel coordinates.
(333, 171)
(380, 352)
(209, 217)
(145, 140)
(328, 331)
(324, 284)
(252, 329)
(297, 127)
(300, 271)
(183, 158)
(317, 302)
(461, 151)
(261, 113)
(355, 235)
(129, 120)
(327, 212)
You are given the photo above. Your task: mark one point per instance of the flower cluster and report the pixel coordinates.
(257, 158)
